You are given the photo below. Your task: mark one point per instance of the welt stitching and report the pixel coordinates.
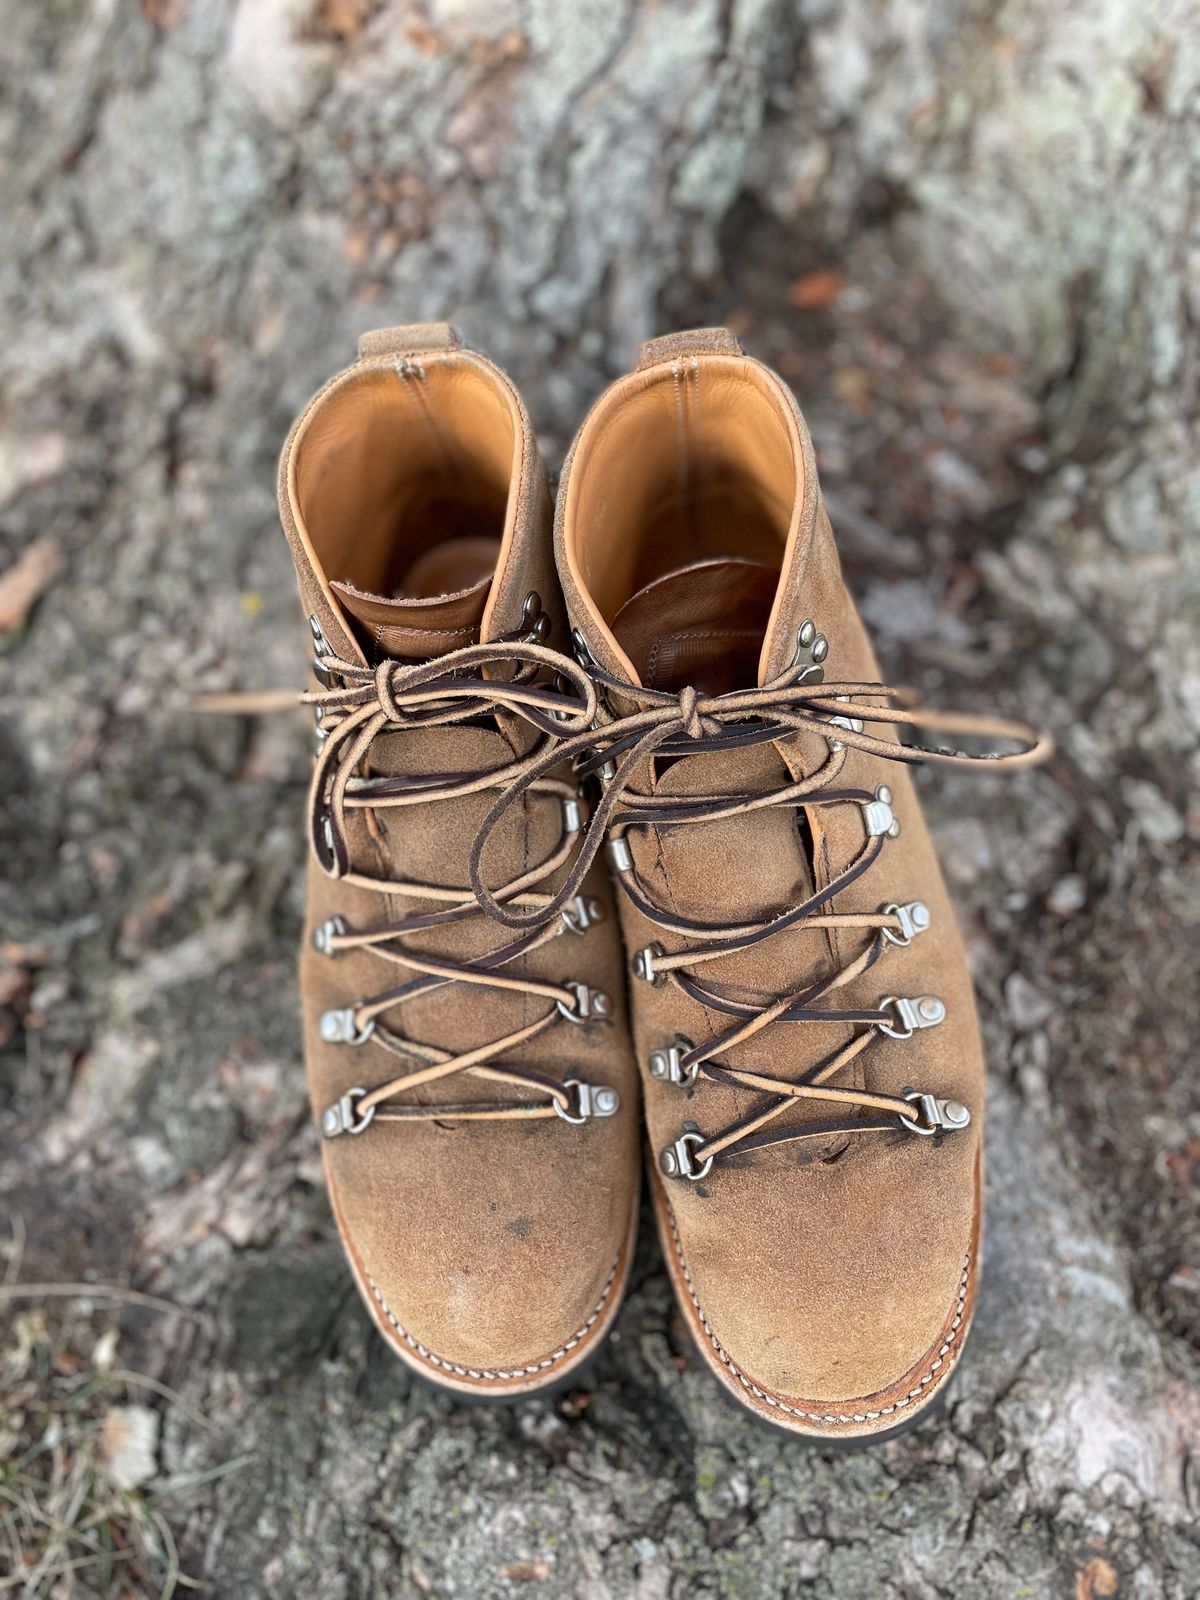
(797, 1411)
(500, 1374)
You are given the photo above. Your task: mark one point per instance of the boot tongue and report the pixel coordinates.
(437, 607)
(702, 625)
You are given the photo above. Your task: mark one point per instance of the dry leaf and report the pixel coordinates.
(105, 1350)
(428, 41)
(852, 385)
(342, 19)
(816, 290)
(355, 246)
(1096, 1581)
(163, 14)
(27, 579)
(130, 1441)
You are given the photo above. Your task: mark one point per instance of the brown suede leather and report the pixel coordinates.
(829, 1280)
(491, 1252)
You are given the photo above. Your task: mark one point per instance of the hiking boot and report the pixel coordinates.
(803, 1014)
(475, 1093)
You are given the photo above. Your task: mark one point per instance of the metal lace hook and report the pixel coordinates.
(677, 1161)
(935, 1115)
(343, 1116)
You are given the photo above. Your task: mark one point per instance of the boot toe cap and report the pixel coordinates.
(839, 1305)
(476, 1278)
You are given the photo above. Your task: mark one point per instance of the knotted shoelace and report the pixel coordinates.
(355, 705)
(668, 725)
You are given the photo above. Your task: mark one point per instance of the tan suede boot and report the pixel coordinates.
(803, 1013)
(476, 1094)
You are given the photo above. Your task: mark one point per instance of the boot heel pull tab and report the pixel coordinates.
(692, 342)
(408, 340)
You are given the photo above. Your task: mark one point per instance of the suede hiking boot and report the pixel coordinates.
(475, 1093)
(803, 1014)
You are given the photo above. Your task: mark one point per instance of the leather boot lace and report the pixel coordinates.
(620, 749)
(507, 684)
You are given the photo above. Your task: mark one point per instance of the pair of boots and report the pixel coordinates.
(708, 795)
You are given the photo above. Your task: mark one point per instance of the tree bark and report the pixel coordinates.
(968, 235)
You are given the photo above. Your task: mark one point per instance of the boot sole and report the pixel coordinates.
(837, 1444)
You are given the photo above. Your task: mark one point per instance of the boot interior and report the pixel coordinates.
(401, 478)
(682, 497)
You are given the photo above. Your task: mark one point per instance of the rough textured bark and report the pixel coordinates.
(968, 235)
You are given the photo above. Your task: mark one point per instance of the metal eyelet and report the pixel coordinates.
(580, 647)
(321, 649)
(811, 648)
(914, 918)
(535, 623)
(879, 816)
(591, 1005)
(341, 1027)
(665, 1064)
(603, 774)
(582, 912)
(619, 854)
(936, 1115)
(675, 1160)
(922, 1011)
(342, 1117)
(643, 964)
(591, 1100)
(851, 724)
(327, 679)
(326, 932)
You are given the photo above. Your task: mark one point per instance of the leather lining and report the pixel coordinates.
(702, 624)
(691, 460)
(401, 459)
